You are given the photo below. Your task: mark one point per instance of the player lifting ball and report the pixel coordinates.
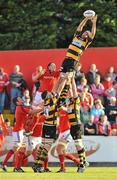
(80, 42)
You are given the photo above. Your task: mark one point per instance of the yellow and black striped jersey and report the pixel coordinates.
(50, 110)
(74, 111)
(52, 104)
(77, 46)
(62, 98)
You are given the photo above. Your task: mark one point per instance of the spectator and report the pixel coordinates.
(86, 98)
(97, 110)
(80, 87)
(3, 84)
(86, 102)
(111, 73)
(84, 114)
(107, 83)
(90, 128)
(110, 92)
(91, 74)
(79, 74)
(26, 98)
(104, 127)
(114, 128)
(97, 89)
(116, 78)
(111, 110)
(15, 80)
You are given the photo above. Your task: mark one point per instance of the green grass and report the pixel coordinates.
(91, 173)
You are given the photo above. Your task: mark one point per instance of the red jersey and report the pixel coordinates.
(63, 121)
(3, 81)
(107, 84)
(3, 126)
(37, 131)
(87, 101)
(21, 116)
(32, 121)
(48, 80)
(3, 130)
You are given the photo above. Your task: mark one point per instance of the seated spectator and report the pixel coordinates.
(86, 103)
(3, 85)
(79, 74)
(104, 127)
(111, 73)
(114, 128)
(84, 114)
(90, 128)
(86, 98)
(26, 98)
(110, 92)
(116, 78)
(107, 83)
(97, 89)
(97, 110)
(91, 74)
(111, 110)
(80, 87)
(15, 81)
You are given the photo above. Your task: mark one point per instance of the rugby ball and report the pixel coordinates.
(89, 13)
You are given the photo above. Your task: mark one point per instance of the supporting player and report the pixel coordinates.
(49, 127)
(77, 129)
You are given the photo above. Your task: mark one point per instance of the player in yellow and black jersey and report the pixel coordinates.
(80, 42)
(51, 103)
(77, 128)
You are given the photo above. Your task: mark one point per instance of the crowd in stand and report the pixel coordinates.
(98, 104)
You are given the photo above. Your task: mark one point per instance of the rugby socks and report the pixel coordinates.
(8, 156)
(81, 154)
(41, 156)
(46, 163)
(72, 158)
(62, 163)
(34, 154)
(19, 159)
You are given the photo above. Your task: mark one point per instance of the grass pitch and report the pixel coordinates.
(91, 173)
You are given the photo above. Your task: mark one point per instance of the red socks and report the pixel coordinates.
(62, 164)
(8, 156)
(34, 154)
(19, 159)
(71, 157)
(46, 163)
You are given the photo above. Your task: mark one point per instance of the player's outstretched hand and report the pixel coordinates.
(94, 19)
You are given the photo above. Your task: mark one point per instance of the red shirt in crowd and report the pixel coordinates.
(3, 81)
(114, 129)
(101, 130)
(107, 84)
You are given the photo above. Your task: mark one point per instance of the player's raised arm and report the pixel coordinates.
(74, 88)
(82, 24)
(93, 30)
